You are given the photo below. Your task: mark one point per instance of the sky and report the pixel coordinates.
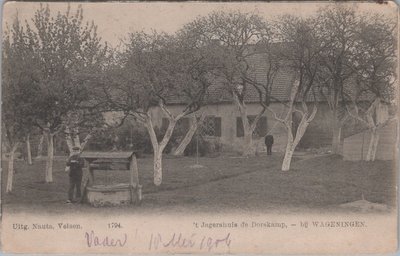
(115, 20)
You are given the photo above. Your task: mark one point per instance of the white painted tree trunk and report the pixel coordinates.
(74, 140)
(68, 140)
(10, 171)
(189, 135)
(157, 167)
(77, 140)
(248, 148)
(336, 137)
(28, 149)
(292, 142)
(158, 148)
(287, 160)
(373, 145)
(85, 141)
(50, 158)
(40, 147)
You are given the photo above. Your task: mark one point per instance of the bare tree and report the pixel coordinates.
(336, 28)
(205, 55)
(299, 55)
(368, 98)
(153, 70)
(233, 34)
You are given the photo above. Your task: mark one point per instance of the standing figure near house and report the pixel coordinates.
(269, 141)
(74, 167)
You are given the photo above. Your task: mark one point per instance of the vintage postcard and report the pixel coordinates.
(199, 127)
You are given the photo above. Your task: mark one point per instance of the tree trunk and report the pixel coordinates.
(336, 136)
(287, 160)
(50, 158)
(68, 140)
(189, 135)
(28, 149)
(247, 145)
(40, 147)
(373, 145)
(158, 148)
(10, 172)
(85, 141)
(157, 167)
(248, 148)
(292, 142)
(77, 140)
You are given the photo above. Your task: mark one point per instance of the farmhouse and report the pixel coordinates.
(223, 123)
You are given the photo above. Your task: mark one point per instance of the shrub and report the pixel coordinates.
(137, 138)
(122, 138)
(134, 139)
(102, 141)
(206, 146)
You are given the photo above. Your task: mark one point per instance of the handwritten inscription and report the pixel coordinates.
(209, 243)
(92, 240)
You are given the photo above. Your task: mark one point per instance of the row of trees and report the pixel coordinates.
(45, 66)
(58, 76)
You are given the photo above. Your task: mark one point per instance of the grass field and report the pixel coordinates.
(225, 183)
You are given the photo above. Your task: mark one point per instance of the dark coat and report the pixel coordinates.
(269, 140)
(75, 163)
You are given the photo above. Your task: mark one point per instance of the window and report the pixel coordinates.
(261, 127)
(239, 127)
(211, 126)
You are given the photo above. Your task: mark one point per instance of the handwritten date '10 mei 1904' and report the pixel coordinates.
(177, 240)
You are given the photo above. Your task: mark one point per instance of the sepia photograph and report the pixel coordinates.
(199, 127)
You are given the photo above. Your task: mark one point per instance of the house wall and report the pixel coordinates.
(318, 134)
(355, 147)
(229, 114)
(319, 131)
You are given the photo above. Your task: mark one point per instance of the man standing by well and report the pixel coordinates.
(74, 166)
